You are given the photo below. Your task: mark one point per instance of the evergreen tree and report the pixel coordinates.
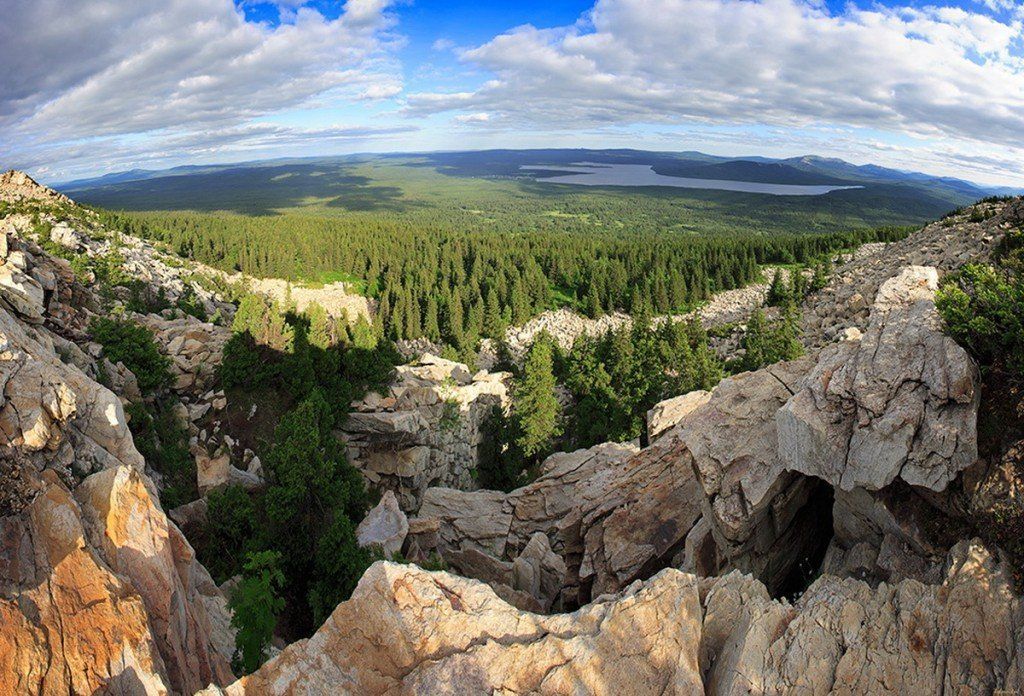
(535, 407)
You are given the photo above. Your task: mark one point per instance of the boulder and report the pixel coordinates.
(667, 413)
(384, 527)
(756, 510)
(22, 293)
(469, 519)
(435, 633)
(900, 403)
(137, 541)
(70, 624)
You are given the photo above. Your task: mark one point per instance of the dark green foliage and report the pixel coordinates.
(232, 529)
(615, 379)
(163, 442)
(502, 465)
(535, 409)
(983, 307)
(769, 341)
(312, 497)
(460, 284)
(779, 292)
(132, 344)
(255, 605)
(338, 565)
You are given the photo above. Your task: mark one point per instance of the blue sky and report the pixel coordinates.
(936, 86)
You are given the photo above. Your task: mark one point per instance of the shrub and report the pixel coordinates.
(983, 310)
(232, 528)
(126, 342)
(255, 605)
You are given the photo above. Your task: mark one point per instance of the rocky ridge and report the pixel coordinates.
(101, 593)
(99, 590)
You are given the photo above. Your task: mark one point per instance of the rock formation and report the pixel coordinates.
(435, 633)
(427, 430)
(814, 508)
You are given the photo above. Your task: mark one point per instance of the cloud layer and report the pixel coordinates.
(926, 73)
(109, 84)
(179, 71)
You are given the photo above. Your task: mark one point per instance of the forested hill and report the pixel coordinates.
(459, 246)
(460, 286)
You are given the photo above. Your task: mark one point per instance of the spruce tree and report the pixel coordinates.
(535, 408)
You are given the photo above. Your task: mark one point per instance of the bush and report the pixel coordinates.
(232, 529)
(255, 605)
(126, 342)
(983, 310)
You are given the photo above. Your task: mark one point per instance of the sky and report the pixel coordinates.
(97, 86)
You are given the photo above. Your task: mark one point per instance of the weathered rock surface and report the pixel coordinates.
(384, 527)
(902, 402)
(195, 348)
(139, 543)
(42, 394)
(68, 624)
(669, 412)
(427, 431)
(411, 632)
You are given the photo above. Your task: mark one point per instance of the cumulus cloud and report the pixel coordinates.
(927, 72)
(108, 68)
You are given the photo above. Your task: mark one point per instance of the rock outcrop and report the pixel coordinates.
(742, 478)
(99, 591)
(412, 632)
(902, 402)
(427, 431)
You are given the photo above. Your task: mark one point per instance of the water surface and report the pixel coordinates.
(589, 174)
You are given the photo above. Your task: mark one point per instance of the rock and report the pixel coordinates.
(428, 433)
(430, 633)
(62, 234)
(469, 519)
(190, 515)
(631, 517)
(21, 293)
(70, 624)
(667, 413)
(900, 403)
(213, 472)
(385, 526)
(539, 571)
(464, 639)
(48, 405)
(139, 543)
(757, 511)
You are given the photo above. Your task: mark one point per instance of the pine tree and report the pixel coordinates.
(431, 328)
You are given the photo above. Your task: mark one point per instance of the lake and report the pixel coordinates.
(588, 174)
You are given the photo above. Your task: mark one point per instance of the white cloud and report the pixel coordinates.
(443, 44)
(928, 73)
(146, 68)
(479, 117)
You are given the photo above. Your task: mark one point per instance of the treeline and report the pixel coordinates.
(457, 287)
